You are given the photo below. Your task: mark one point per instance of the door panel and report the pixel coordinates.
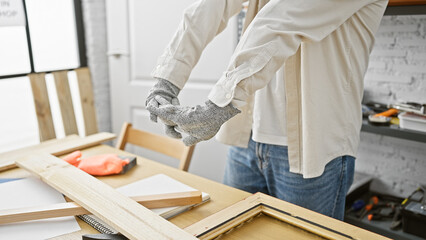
(138, 32)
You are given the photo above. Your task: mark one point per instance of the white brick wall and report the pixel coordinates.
(94, 15)
(397, 72)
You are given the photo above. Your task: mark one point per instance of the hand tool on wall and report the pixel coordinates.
(101, 165)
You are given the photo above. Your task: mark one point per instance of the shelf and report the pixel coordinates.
(364, 191)
(406, 10)
(406, 7)
(394, 131)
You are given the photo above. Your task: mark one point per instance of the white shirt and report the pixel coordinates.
(323, 48)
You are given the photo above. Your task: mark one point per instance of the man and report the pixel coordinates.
(289, 101)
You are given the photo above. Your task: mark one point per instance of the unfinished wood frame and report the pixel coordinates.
(43, 109)
(233, 217)
(165, 145)
(122, 213)
(55, 147)
(73, 209)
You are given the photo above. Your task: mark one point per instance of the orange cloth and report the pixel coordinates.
(99, 165)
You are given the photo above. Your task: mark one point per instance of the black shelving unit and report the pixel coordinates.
(394, 131)
(406, 10)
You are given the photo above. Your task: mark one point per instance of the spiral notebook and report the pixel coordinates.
(156, 184)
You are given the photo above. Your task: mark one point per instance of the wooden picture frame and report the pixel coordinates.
(233, 217)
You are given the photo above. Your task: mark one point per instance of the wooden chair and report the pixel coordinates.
(165, 145)
(42, 104)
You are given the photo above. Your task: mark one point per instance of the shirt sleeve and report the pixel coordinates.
(202, 21)
(274, 35)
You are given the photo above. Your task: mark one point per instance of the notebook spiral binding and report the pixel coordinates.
(97, 224)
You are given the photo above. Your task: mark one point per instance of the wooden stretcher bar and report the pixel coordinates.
(125, 215)
(301, 219)
(72, 209)
(55, 147)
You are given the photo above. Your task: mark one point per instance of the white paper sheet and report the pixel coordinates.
(27, 193)
(159, 184)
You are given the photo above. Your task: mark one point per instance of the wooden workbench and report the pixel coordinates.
(222, 196)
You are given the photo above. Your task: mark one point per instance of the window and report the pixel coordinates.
(35, 36)
(14, 57)
(39, 36)
(53, 34)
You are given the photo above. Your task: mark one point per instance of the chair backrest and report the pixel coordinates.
(165, 145)
(43, 109)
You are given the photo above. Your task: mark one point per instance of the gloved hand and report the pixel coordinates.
(169, 92)
(200, 122)
(99, 165)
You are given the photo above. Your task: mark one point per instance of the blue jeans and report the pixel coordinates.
(265, 168)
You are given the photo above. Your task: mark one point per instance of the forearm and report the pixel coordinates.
(202, 21)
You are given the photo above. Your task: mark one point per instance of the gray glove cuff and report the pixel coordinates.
(225, 113)
(163, 88)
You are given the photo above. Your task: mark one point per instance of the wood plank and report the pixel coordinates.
(406, 2)
(316, 218)
(122, 138)
(87, 101)
(72, 209)
(42, 106)
(56, 147)
(168, 146)
(186, 157)
(6, 158)
(65, 102)
(128, 217)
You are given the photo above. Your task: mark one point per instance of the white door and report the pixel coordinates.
(138, 32)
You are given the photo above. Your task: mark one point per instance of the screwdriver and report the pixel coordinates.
(356, 206)
(374, 200)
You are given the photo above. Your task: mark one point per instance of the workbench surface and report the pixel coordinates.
(221, 195)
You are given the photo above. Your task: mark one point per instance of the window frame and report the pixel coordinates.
(78, 11)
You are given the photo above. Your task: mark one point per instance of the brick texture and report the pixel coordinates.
(397, 72)
(94, 15)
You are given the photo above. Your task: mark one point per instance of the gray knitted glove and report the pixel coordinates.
(200, 122)
(169, 92)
